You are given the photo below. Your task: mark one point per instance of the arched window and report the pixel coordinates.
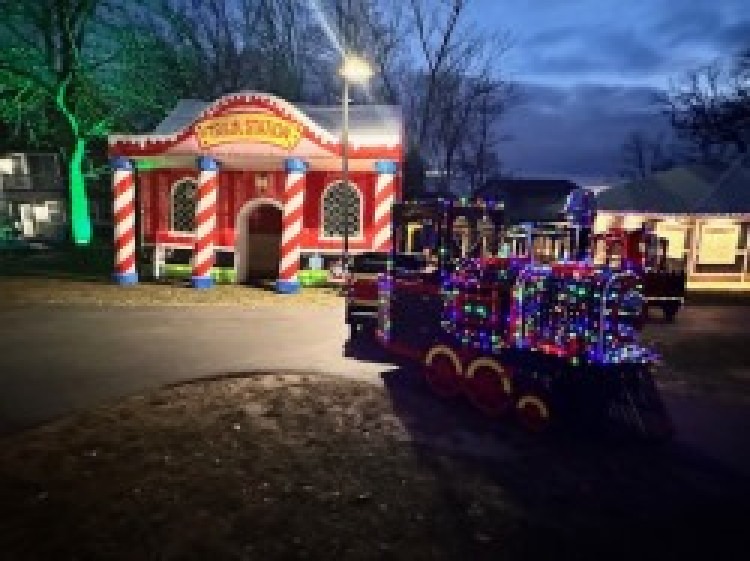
(183, 206)
(335, 199)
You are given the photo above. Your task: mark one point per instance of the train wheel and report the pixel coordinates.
(533, 412)
(489, 386)
(442, 370)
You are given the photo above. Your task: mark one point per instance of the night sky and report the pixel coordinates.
(589, 69)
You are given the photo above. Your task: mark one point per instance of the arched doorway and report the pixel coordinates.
(258, 244)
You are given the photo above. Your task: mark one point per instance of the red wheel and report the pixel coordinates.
(441, 373)
(489, 386)
(533, 412)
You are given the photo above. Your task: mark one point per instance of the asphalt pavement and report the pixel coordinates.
(58, 359)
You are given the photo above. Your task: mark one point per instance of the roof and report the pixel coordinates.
(529, 200)
(732, 193)
(367, 123)
(692, 189)
(184, 113)
(526, 186)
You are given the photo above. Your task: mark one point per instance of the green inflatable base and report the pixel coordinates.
(226, 275)
(312, 278)
(221, 275)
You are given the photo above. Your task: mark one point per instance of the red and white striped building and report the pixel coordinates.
(249, 186)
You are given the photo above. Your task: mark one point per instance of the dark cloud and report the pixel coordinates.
(587, 51)
(736, 36)
(627, 51)
(693, 26)
(646, 40)
(578, 131)
(553, 36)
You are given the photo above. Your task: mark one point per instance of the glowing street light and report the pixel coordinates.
(357, 70)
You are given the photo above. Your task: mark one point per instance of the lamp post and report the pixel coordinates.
(354, 69)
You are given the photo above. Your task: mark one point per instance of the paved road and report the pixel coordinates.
(54, 360)
(57, 359)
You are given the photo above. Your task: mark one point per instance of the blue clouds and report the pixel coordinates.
(612, 41)
(576, 131)
(590, 70)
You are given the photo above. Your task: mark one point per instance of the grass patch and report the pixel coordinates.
(82, 275)
(90, 263)
(102, 292)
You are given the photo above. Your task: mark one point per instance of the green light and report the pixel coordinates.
(79, 204)
(147, 165)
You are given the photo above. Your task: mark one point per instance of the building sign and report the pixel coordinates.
(674, 233)
(718, 243)
(248, 127)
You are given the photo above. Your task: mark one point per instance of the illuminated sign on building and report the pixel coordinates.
(248, 127)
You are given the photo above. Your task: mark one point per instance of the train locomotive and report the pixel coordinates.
(542, 342)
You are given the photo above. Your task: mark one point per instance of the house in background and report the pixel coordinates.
(32, 197)
(703, 211)
(529, 200)
(34, 200)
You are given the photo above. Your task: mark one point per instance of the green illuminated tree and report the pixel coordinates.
(71, 71)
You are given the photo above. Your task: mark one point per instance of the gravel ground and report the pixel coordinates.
(29, 290)
(282, 466)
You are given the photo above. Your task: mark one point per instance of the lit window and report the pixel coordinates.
(183, 206)
(334, 200)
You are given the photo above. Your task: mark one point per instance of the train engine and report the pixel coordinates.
(542, 342)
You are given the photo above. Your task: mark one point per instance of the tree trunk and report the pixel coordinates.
(80, 221)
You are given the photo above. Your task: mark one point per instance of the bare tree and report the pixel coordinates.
(710, 108)
(373, 29)
(456, 96)
(437, 30)
(212, 47)
(643, 155)
(635, 156)
(480, 152)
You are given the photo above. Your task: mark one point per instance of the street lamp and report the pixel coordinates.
(353, 69)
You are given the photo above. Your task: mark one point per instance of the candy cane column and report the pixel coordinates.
(293, 200)
(384, 197)
(205, 222)
(124, 218)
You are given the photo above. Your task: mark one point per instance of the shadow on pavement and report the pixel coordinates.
(366, 349)
(570, 494)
